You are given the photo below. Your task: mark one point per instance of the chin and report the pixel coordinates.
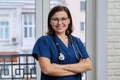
(60, 32)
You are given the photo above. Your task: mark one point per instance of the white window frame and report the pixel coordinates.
(96, 34)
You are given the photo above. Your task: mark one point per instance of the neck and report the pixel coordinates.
(62, 36)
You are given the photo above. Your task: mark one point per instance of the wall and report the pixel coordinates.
(113, 39)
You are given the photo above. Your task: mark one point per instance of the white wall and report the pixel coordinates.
(114, 40)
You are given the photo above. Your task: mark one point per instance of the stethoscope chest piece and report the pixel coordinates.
(61, 57)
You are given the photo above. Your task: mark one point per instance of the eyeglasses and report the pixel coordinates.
(55, 19)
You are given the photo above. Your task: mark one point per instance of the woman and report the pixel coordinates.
(61, 56)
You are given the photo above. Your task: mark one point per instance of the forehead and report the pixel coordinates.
(60, 14)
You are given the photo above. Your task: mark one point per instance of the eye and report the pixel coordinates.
(54, 19)
(64, 18)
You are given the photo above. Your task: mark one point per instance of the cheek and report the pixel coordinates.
(68, 22)
(52, 24)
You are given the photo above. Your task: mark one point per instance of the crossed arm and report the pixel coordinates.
(53, 69)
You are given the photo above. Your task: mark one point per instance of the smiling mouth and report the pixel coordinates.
(60, 27)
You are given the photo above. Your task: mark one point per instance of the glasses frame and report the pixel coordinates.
(62, 19)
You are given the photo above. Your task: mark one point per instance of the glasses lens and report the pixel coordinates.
(64, 18)
(61, 19)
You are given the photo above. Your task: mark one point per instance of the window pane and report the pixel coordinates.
(30, 32)
(82, 27)
(82, 6)
(6, 33)
(1, 33)
(30, 19)
(4, 30)
(25, 32)
(25, 19)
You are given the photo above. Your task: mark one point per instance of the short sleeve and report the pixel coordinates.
(82, 49)
(41, 49)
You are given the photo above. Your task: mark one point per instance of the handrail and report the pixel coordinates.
(17, 67)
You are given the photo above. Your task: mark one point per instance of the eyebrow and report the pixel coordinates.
(61, 17)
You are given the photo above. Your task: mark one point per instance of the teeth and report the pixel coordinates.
(60, 26)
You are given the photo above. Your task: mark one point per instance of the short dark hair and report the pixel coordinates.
(52, 12)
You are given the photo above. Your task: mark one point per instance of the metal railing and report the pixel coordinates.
(17, 67)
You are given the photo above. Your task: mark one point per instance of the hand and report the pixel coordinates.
(84, 61)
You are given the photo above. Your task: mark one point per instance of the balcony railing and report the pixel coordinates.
(17, 67)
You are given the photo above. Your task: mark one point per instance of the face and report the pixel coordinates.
(59, 22)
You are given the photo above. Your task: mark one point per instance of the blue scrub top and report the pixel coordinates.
(45, 47)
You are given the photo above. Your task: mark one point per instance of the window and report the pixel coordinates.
(4, 30)
(82, 6)
(82, 26)
(29, 25)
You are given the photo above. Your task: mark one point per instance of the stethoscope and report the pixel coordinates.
(74, 46)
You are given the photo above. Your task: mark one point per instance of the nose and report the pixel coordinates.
(59, 21)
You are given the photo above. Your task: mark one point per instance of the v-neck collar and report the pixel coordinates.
(62, 43)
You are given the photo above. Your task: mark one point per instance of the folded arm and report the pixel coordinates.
(53, 69)
(82, 66)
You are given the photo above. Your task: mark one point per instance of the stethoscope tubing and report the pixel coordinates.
(61, 55)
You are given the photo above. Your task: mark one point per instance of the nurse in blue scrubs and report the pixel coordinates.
(61, 56)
